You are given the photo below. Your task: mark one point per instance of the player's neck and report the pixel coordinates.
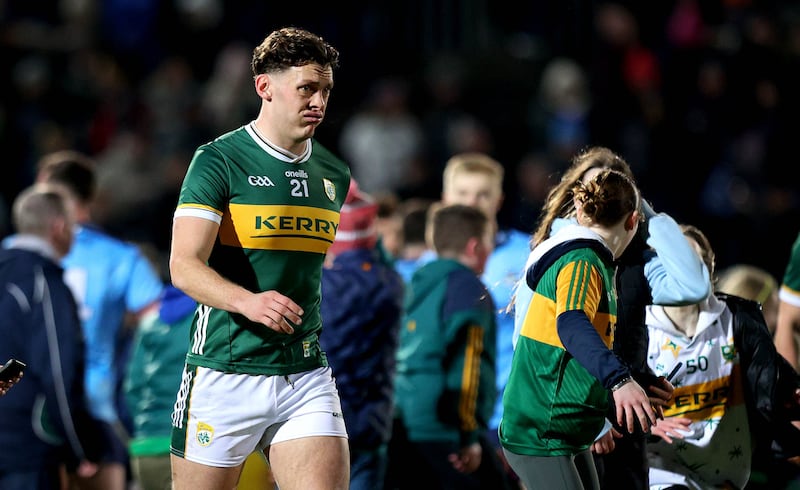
(684, 318)
(291, 148)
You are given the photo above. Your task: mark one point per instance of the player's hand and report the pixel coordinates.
(606, 443)
(274, 310)
(660, 395)
(631, 403)
(467, 459)
(668, 428)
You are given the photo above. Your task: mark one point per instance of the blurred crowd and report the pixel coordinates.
(698, 96)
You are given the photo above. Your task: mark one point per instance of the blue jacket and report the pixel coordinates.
(44, 416)
(362, 301)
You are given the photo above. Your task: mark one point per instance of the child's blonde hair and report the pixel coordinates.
(473, 163)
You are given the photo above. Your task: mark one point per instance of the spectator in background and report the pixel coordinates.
(383, 142)
(153, 378)
(725, 348)
(770, 468)
(476, 179)
(110, 280)
(446, 362)
(389, 224)
(362, 301)
(415, 250)
(559, 114)
(753, 283)
(44, 421)
(787, 328)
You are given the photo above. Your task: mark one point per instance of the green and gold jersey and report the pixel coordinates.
(552, 405)
(278, 215)
(790, 286)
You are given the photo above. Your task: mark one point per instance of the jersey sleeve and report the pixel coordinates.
(579, 290)
(578, 287)
(469, 316)
(790, 287)
(205, 189)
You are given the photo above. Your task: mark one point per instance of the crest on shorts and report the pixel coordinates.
(330, 189)
(205, 433)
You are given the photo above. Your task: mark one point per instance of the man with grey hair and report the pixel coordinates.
(44, 417)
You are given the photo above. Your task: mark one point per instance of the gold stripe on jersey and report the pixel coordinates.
(708, 400)
(469, 378)
(279, 227)
(540, 321)
(579, 288)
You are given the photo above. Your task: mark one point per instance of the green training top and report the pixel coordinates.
(445, 388)
(278, 215)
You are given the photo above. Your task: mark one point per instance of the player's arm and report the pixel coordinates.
(578, 297)
(788, 323)
(192, 241)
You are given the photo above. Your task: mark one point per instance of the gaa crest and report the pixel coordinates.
(330, 189)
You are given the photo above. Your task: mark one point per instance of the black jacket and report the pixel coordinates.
(770, 382)
(44, 418)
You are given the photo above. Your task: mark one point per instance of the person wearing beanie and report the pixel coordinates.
(361, 306)
(356, 222)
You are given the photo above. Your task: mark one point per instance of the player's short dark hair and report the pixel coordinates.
(454, 225)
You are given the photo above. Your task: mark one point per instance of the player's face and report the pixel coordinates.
(486, 248)
(301, 96)
(476, 190)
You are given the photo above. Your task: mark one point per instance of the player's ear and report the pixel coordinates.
(631, 221)
(471, 248)
(263, 85)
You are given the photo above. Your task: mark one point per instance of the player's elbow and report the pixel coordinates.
(178, 268)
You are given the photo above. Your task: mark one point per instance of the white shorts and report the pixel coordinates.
(220, 419)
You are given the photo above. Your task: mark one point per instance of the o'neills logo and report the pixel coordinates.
(299, 174)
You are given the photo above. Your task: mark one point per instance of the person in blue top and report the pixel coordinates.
(658, 267)
(414, 251)
(110, 280)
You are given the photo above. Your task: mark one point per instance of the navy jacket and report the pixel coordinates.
(44, 417)
(362, 301)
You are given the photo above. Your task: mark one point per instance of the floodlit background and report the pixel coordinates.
(700, 97)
